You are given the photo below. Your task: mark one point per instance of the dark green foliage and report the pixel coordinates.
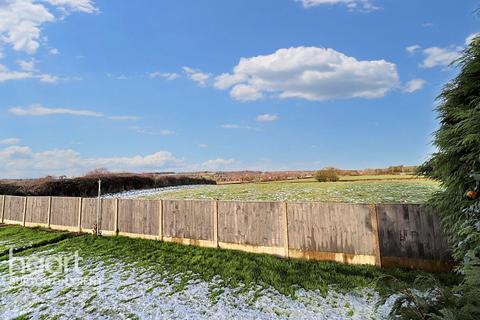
(87, 186)
(326, 175)
(456, 165)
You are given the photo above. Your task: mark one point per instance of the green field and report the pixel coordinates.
(350, 189)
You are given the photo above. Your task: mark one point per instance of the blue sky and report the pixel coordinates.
(222, 85)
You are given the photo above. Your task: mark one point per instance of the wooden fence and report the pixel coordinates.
(397, 235)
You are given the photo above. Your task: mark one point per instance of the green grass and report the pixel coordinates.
(233, 267)
(20, 238)
(393, 189)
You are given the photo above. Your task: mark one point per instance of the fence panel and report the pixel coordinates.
(14, 207)
(316, 229)
(189, 219)
(65, 213)
(140, 217)
(409, 236)
(37, 211)
(107, 214)
(251, 223)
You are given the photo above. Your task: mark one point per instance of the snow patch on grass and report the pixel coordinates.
(115, 289)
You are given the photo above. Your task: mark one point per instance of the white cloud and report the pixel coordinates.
(470, 38)
(7, 75)
(27, 65)
(203, 145)
(244, 92)
(142, 130)
(124, 118)
(22, 162)
(117, 77)
(10, 141)
(231, 126)
(309, 73)
(216, 164)
(54, 51)
(267, 117)
(39, 110)
(165, 75)
(435, 56)
(48, 78)
(412, 49)
(362, 5)
(197, 76)
(414, 85)
(21, 21)
(86, 6)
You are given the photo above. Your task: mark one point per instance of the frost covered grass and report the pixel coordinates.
(142, 279)
(404, 190)
(20, 238)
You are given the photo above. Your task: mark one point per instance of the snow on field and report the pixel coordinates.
(116, 291)
(148, 192)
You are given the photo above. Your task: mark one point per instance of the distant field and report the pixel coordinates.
(351, 189)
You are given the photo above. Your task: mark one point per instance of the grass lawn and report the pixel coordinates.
(350, 189)
(20, 238)
(142, 279)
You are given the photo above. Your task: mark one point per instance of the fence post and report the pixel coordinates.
(115, 218)
(24, 211)
(160, 220)
(49, 213)
(80, 202)
(285, 227)
(215, 223)
(375, 234)
(3, 209)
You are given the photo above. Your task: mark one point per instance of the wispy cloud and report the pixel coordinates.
(267, 117)
(414, 85)
(412, 49)
(164, 75)
(153, 132)
(39, 110)
(201, 78)
(10, 141)
(352, 5)
(124, 118)
(117, 77)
